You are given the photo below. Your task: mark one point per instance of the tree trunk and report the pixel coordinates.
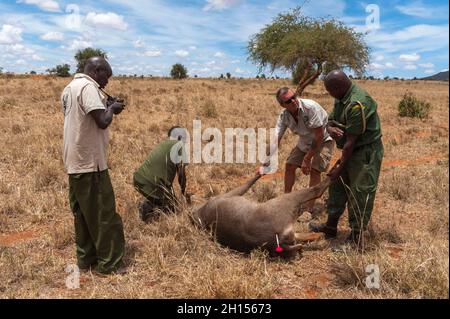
(305, 82)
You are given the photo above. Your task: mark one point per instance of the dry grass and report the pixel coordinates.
(170, 258)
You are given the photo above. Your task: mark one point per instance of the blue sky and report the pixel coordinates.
(210, 36)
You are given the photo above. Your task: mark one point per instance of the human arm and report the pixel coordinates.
(318, 138)
(103, 118)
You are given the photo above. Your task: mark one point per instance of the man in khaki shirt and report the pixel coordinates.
(98, 228)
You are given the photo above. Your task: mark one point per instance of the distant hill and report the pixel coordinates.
(441, 76)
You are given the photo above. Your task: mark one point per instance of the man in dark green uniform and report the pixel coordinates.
(155, 177)
(355, 126)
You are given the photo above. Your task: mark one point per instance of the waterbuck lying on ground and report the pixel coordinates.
(243, 225)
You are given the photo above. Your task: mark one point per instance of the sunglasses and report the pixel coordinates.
(289, 101)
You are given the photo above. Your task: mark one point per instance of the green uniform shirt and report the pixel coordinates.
(357, 111)
(158, 169)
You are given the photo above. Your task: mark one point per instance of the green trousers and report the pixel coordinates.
(357, 186)
(99, 233)
(159, 195)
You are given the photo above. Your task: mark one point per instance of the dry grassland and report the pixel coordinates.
(169, 258)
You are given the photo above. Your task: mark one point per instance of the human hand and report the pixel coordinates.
(306, 165)
(335, 132)
(335, 172)
(117, 107)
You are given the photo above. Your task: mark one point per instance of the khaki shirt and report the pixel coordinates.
(85, 144)
(310, 115)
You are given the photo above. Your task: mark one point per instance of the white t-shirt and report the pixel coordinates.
(85, 144)
(310, 115)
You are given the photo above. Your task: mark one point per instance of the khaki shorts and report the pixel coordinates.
(320, 161)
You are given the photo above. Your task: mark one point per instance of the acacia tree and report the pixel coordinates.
(82, 55)
(308, 47)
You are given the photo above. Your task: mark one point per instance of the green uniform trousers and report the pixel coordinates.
(99, 233)
(159, 195)
(358, 186)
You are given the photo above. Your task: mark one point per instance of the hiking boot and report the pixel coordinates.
(329, 228)
(145, 210)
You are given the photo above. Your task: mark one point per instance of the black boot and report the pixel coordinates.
(329, 228)
(145, 210)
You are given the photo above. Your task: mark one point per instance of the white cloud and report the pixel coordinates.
(409, 57)
(379, 58)
(416, 38)
(202, 70)
(20, 62)
(36, 57)
(380, 66)
(218, 5)
(240, 71)
(19, 49)
(107, 20)
(219, 54)
(410, 67)
(430, 71)
(10, 34)
(389, 65)
(151, 53)
(235, 61)
(427, 65)
(79, 44)
(418, 9)
(376, 66)
(192, 48)
(46, 5)
(138, 43)
(52, 36)
(181, 53)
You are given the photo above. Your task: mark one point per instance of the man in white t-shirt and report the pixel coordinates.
(99, 233)
(313, 152)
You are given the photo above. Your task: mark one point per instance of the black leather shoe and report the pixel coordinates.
(330, 232)
(329, 228)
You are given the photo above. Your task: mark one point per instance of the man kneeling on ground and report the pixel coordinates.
(154, 179)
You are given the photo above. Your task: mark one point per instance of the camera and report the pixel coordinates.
(111, 100)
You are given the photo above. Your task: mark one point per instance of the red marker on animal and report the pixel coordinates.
(278, 249)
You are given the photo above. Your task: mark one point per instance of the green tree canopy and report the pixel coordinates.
(82, 55)
(308, 47)
(62, 70)
(178, 71)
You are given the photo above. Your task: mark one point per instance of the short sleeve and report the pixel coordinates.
(356, 119)
(90, 99)
(281, 126)
(316, 116)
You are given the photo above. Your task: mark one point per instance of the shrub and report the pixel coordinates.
(410, 106)
(209, 109)
(178, 71)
